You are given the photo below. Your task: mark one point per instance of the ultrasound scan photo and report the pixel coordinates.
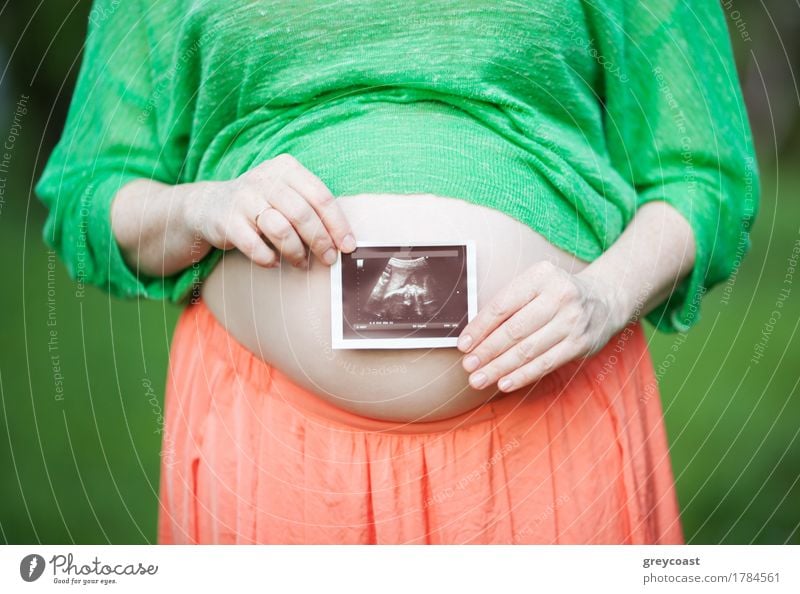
(404, 292)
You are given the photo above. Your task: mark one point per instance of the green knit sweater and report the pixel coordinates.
(565, 114)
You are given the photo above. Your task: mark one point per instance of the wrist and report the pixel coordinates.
(621, 306)
(189, 202)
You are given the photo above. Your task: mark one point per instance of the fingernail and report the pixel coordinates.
(478, 380)
(302, 264)
(464, 342)
(348, 243)
(329, 257)
(505, 384)
(471, 363)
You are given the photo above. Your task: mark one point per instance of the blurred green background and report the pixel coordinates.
(79, 441)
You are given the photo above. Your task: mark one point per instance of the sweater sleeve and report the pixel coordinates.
(678, 130)
(110, 138)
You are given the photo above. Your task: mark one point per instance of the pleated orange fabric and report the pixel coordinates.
(250, 457)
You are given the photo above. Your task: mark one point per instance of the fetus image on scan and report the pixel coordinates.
(406, 290)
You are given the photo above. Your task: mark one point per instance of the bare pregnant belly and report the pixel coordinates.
(283, 315)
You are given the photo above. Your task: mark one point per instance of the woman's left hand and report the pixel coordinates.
(546, 317)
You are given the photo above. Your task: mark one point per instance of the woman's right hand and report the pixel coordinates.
(276, 209)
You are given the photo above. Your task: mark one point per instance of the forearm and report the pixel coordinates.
(149, 222)
(653, 254)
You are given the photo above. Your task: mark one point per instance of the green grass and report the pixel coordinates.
(84, 468)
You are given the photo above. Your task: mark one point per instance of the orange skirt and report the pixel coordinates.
(250, 457)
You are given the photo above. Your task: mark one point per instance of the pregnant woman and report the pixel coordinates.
(222, 155)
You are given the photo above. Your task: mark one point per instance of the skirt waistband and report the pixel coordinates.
(254, 371)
